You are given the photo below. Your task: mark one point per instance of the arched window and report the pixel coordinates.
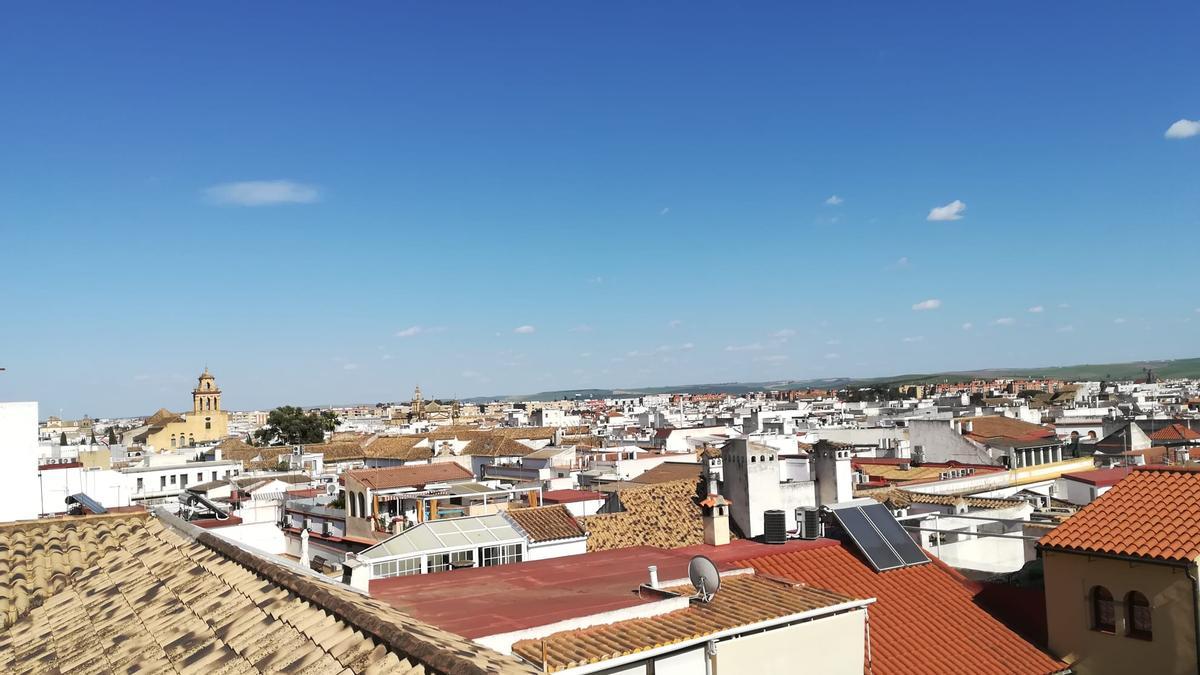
(353, 505)
(362, 505)
(753, 459)
(172, 440)
(1104, 619)
(1137, 616)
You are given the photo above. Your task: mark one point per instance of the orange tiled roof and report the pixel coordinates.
(410, 476)
(665, 515)
(924, 620)
(1175, 432)
(743, 600)
(547, 523)
(997, 426)
(669, 471)
(1154, 512)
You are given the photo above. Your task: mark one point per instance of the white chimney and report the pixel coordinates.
(653, 576)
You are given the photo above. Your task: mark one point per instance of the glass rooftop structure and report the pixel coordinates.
(446, 535)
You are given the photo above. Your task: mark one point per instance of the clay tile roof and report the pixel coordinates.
(665, 515)
(743, 600)
(133, 595)
(547, 523)
(398, 447)
(163, 416)
(669, 471)
(924, 620)
(899, 499)
(1154, 512)
(418, 475)
(1175, 432)
(999, 427)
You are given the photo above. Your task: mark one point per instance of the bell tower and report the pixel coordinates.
(418, 405)
(206, 397)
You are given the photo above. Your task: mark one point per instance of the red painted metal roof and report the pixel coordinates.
(482, 601)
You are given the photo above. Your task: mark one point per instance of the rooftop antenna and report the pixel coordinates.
(704, 577)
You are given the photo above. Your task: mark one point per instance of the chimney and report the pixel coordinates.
(716, 520)
(653, 576)
(356, 573)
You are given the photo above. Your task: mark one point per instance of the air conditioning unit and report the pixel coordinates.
(327, 529)
(308, 523)
(808, 521)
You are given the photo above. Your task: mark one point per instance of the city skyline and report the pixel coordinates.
(338, 205)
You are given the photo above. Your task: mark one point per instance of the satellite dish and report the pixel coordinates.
(705, 577)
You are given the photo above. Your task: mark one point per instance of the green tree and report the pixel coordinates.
(290, 425)
(329, 420)
(62, 438)
(93, 439)
(112, 436)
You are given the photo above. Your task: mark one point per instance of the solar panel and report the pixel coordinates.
(894, 534)
(856, 525)
(87, 503)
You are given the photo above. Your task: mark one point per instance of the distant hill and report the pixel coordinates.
(1173, 368)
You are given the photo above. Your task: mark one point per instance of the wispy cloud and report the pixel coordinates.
(1005, 321)
(833, 355)
(926, 305)
(350, 366)
(771, 358)
(1036, 309)
(665, 211)
(752, 347)
(1183, 128)
(413, 331)
(524, 330)
(674, 323)
(833, 342)
(585, 355)
(900, 264)
(968, 326)
(783, 334)
(834, 200)
(914, 338)
(952, 211)
(1118, 320)
(262, 193)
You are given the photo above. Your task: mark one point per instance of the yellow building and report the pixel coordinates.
(206, 422)
(1122, 580)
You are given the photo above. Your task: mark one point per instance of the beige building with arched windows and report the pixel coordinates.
(206, 422)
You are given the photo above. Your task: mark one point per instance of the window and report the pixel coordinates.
(141, 484)
(172, 479)
(362, 505)
(207, 423)
(183, 480)
(396, 568)
(172, 441)
(214, 475)
(1103, 617)
(499, 555)
(441, 562)
(162, 482)
(1137, 609)
(199, 476)
(352, 503)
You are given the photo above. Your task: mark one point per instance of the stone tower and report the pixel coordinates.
(751, 483)
(418, 405)
(206, 397)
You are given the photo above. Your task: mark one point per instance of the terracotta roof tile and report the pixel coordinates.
(1176, 432)
(743, 600)
(127, 594)
(669, 471)
(996, 426)
(547, 523)
(410, 476)
(665, 515)
(924, 620)
(1154, 512)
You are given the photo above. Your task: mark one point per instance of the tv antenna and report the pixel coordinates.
(704, 577)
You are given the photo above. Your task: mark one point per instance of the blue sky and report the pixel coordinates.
(328, 203)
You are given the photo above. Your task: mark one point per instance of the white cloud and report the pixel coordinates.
(581, 328)
(951, 211)
(833, 355)
(350, 366)
(665, 211)
(833, 342)
(1036, 309)
(687, 346)
(1005, 321)
(1118, 320)
(1183, 129)
(753, 347)
(773, 358)
(524, 330)
(413, 331)
(387, 357)
(968, 326)
(900, 264)
(914, 338)
(674, 323)
(783, 333)
(834, 200)
(584, 355)
(925, 305)
(262, 193)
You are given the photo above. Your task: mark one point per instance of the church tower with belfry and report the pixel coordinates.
(206, 397)
(418, 405)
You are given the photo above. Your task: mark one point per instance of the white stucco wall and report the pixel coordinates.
(555, 549)
(19, 448)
